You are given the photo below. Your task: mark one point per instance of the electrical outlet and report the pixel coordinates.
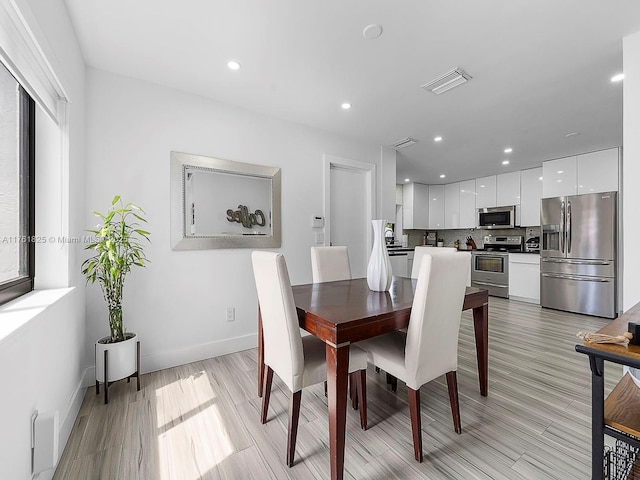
(319, 238)
(231, 314)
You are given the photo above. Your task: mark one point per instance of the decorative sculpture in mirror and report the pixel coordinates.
(223, 204)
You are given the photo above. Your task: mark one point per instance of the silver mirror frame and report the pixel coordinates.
(179, 161)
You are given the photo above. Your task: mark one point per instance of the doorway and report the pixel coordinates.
(349, 206)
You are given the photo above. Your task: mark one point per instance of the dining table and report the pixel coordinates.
(347, 311)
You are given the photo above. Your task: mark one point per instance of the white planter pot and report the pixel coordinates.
(121, 358)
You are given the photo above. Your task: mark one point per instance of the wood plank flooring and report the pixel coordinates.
(201, 421)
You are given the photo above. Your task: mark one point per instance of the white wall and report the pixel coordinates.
(631, 171)
(178, 303)
(43, 362)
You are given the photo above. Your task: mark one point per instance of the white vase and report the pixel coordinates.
(379, 267)
(122, 358)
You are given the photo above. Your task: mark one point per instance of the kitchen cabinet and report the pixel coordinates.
(436, 206)
(524, 277)
(415, 206)
(530, 195)
(468, 212)
(486, 192)
(559, 177)
(508, 189)
(598, 171)
(452, 205)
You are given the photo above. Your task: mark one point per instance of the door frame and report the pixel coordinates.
(369, 171)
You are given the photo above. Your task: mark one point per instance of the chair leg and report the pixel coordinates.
(361, 395)
(416, 422)
(377, 369)
(294, 415)
(325, 388)
(394, 383)
(452, 384)
(266, 393)
(353, 390)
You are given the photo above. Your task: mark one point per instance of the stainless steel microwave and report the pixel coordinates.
(497, 217)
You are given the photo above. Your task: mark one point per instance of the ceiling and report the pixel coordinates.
(541, 69)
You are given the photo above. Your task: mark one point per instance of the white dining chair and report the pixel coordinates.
(420, 252)
(298, 361)
(430, 346)
(330, 264)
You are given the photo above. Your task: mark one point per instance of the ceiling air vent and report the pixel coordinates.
(447, 81)
(404, 142)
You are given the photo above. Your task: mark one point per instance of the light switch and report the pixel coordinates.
(320, 238)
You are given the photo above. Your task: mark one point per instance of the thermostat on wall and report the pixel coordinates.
(317, 222)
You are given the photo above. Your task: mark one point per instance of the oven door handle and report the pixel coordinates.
(489, 284)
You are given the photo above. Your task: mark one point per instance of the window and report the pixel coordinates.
(17, 159)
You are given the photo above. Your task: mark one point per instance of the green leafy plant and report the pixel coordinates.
(117, 248)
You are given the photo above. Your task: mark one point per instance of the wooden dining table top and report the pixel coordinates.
(348, 311)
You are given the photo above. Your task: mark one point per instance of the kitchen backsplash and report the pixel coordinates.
(416, 237)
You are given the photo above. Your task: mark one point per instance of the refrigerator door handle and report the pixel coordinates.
(562, 218)
(576, 262)
(579, 279)
(568, 227)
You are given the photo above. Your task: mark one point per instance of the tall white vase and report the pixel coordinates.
(379, 268)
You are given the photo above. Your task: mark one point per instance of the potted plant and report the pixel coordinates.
(117, 249)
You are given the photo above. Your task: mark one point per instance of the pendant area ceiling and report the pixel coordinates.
(540, 70)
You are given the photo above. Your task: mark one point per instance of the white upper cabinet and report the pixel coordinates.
(486, 192)
(508, 189)
(415, 206)
(530, 195)
(452, 205)
(598, 171)
(559, 177)
(436, 206)
(468, 215)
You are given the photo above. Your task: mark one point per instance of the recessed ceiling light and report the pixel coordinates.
(372, 31)
(481, 186)
(346, 106)
(539, 178)
(560, 171)
(559, 181)
(508, 150)
(617, 78)
(442, 176)
(437, 139)
(233, 65)
(572, 134)
(407, 179)
(505, 162)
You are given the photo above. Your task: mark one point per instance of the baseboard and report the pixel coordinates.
(525, 299)
(173, 358)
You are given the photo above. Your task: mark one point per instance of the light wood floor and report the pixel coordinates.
(202, 420)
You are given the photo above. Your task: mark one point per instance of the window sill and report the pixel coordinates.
(16, 314)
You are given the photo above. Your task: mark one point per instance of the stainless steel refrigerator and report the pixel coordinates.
(578, 253)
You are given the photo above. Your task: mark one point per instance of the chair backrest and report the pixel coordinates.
(432, 336)
(420, 252)
(330, 264)
(282, 340)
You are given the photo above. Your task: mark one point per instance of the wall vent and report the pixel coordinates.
(447, 81)
(404, 142)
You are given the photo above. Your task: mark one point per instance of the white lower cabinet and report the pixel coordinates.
(524, 277)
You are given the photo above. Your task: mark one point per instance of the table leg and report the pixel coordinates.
(260, 355)
(597, 417)
(337, 375)
(481, 327)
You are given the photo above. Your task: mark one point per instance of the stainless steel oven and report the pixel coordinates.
(490, 270)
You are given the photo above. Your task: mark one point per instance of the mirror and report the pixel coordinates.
(223, 204)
